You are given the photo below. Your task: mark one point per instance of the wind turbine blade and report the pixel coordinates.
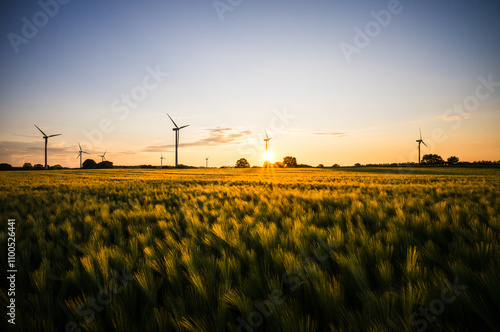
(85, 152)
(420, 130)
(266, 133)
(54, 135)
(424, 143)
(176, 126)
(80, 146)
(104, 153)
(40, 130)
(183, 127)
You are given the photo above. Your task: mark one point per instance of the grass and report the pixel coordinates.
(281, 250)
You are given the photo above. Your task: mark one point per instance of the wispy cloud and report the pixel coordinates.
(213, 137)
(128, 152)
(28, 136)
(302, 132)
(13, 150)
(331, 134)
(453, 117)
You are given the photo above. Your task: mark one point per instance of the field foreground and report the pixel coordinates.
(254, 249)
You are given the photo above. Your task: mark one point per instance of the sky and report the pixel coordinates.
(332, 82)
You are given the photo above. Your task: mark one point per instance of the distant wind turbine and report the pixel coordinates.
(267, 139)
(176, 129)
(267, 161)
(46, 138)
(102, 156)
(161, 161)
(206, 162)
(80, 154)
(420, 141)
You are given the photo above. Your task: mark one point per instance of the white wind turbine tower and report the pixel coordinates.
(176, 129)
(80, 154)
(46, 138)
(267, 161)
(267, 139)
(102, 156)
(161, 161)
(420, 141)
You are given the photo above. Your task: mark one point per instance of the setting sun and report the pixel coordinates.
(268, 156)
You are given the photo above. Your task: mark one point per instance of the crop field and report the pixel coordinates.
(349, 249)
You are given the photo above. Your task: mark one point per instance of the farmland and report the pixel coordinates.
(361, 249)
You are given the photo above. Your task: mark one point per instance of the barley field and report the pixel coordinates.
(350, 249)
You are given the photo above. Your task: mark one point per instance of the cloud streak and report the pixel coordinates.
(214, 137)
(15, 151)
(331, 134)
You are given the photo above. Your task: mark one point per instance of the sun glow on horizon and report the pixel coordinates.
(268, 156)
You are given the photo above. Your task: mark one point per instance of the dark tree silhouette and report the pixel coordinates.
(5, 167)
(290, 161)
(27, 166)
(38, 166)
(89, 163)
(242, 163)
(453, 160)
(105, 164)
(432, 159)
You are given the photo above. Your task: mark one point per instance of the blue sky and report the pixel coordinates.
(275, 65)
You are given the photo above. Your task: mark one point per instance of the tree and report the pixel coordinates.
(278, 164)
(335, 165)
(321, 166)
(290, 161)
(89, 163)
(242, 163)
(38, 166)
(27, 166)
(105, 164)
(432, 159)
(357, 164)
(453, 160)
(5, 167)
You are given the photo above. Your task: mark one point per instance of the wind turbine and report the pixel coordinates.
(176, 129)
(46, 138)
(267, 162)
(267, 139)
(420, 141)
(102, 156)
(206, 162)
(80, 154)
(161, 161)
